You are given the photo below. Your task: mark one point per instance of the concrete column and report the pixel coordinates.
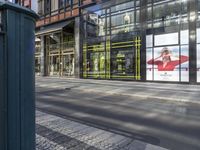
(17, 79)
(192, 13)
(143, 38)
(77, 52)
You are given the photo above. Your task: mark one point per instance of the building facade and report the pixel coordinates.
(140, 40)
(25, 3)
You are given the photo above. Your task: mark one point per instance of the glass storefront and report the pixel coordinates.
(68, 64)
(37, 56)
(198, 43)
(60, 47)
(132, 40)
(112, 41)
(53, 50)
(167, 40)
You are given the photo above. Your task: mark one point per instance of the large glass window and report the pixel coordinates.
(167, 37)
(41, 7)
(96, 24)
(95, 59)
(112, 41)
(198, 43)
(122, 62)
(47, 7)
(37, 55)
(125, 17)
(54, 6)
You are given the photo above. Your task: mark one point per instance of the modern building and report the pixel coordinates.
(143, 40)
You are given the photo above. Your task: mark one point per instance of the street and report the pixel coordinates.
(165, 115)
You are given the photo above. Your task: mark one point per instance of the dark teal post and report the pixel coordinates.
(17, 80)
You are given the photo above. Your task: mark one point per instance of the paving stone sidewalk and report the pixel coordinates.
(56, 133)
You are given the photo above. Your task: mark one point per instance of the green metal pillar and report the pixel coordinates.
(17, 79)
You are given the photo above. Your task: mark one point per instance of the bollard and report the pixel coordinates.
(17, 79)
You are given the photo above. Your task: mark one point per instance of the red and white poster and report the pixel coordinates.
(167, 63)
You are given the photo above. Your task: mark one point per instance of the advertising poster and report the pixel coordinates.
(166, 63)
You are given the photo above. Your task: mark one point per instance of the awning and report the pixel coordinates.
(53, 28)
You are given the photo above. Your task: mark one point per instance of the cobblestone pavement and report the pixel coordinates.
(56, 133)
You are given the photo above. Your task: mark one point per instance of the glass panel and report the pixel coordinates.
(123, 6)
(122, 62)
(97, 64)
(184, 63)
(166, 39)
(122, 23)
(68, 65)
(167, 14)
(184, 37)
(54, 65)
(149, 40)
(166, 63)
(96, 23)
(37, 65)
(96, 60)
(198, 44)
(198, 62)
(149, 70)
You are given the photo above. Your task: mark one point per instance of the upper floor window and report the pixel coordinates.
(41, 7)
(54, 5)
(47, 6)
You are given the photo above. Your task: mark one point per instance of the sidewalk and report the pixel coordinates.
(56, 133)
(162, 91)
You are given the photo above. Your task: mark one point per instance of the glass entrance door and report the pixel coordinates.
(54, 65)
(37, 65)
(68, 65)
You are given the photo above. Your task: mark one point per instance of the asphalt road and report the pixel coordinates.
(152, 118)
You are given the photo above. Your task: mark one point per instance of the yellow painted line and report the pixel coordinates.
(124, 76)
(136, 57)
(100, 45)
(124, 46)
(127, 42)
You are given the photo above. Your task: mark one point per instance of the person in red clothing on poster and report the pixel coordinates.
(166, 62)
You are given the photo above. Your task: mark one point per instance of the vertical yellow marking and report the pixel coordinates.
(139, 46)
(108, 58)
(85, 60)
(136, 73)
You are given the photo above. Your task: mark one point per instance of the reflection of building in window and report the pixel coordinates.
(120, 62)
(101, 27)
(95, 64)
(102, 62)
(93, 18)
(127, 21)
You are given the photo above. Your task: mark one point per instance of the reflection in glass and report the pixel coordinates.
(122, 62)
(68, 65)
(54, 65)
